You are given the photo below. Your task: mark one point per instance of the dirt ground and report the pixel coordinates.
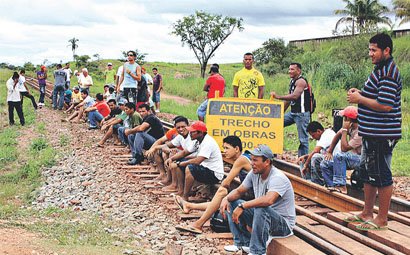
(20, 242)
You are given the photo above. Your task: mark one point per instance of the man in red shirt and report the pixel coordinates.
(215, 84)
(98, 111)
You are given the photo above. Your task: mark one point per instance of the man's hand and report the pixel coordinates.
(236, 214)
(273, 95)
(347, 124)
(168, 162)
(224, 207)
(127, 132)
(329, 155)
(302, 158)
(305, 169)
(354, 96)
(149, 153)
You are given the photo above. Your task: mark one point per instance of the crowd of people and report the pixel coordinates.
(263, 206)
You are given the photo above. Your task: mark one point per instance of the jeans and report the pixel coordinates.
(58, 91)
(264, 222)
(95, 118)
(122, 136)
(19, 109)
(42, 93)
(26, 94)
(139, 141)
(315, 171)
(302, 121)
(334, 172)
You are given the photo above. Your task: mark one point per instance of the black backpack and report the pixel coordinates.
(219, 224)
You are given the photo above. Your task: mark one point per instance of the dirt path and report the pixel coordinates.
(177, 99)
(16, 241)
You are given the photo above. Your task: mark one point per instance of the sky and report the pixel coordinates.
(35, 31)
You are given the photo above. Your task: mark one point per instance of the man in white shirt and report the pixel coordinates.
(85, 80)
(69, 73)
(312, 160)
(24, 92)
(13, 99)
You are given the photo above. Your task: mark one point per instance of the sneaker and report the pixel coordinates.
(232, 248)
(246, 249)
(157, 111)
(92, 127)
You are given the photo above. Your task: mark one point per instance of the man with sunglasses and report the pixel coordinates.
(131, 75)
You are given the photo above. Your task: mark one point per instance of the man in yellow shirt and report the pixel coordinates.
(248, 82)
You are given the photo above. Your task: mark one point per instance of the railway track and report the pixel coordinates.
(320, 227)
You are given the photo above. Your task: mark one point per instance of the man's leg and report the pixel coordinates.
(201, 111)
(11, 112)
(241, 235)
(33, 100)
(327, 168)
(288, 119)
(42, 93)
(302, 121)
(160, 166)
(107, 135)
(315, 171)
(19, 110)
(189, 181)
(61, 99)
(55, 98)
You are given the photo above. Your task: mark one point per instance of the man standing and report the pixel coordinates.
(156, 88)
(248, 82)
(14, 99)
(60, 78)
(24, 90)
(131, 75)
(42, 78)
(109, 75)
(215, 83)
(69, 72)
(379, 104)
(85, 80)
(271, 213)
(300, 106)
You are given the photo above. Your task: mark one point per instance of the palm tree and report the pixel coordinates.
(402, 10)
(73, 43)
(363, 14)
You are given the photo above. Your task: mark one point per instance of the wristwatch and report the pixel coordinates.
(344, 129)
(241, 206)
(178, 162)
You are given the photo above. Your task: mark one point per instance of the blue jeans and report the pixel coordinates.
(315, 171)
(264, 222)
(334, 172)
(58, 91)
(302, 121)
(95, 118)
(140, 141)
(42, 93)
(122, 136)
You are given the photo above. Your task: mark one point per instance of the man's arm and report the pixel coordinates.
(232, 196)
(140, 128)
(335, 140)
(344, 143)
(160, 85)
(156, 146)
(239, 164)
(235, 91)
(309, 158)
(354, 96)
(300, 86)
(90, 109)
(194, 161)
(136, 76)
(261, 90)
(121, 80)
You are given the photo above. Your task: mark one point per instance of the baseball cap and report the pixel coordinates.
(350, 112)
(43, 67)
(197, 126)
(262, 150)
(123, 101)
(109, 64)
(214, 69)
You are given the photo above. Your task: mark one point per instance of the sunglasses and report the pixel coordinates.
(130, 55)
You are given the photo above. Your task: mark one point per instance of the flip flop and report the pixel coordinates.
(179, 202)
(371, 226)
(189, 228)
(100, 145)
(353, 218)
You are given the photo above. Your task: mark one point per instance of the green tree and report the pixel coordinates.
(402, 10)
(28, 66)
(73, 44)
(139, 57)
(204, 33)
(362, 14)
(81, 61)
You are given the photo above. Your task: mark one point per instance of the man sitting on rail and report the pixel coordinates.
(334, 167)
(133, 120)
(207, 166)
(75, 99)
(311, 162)
(271, 213)
(97, 112)
(161, 149)
(143, 136)
(232, 151)
(112, 122)
(79, 109)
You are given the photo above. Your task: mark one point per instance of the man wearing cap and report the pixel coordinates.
(109, 75)
(334, 166)
(42, 77)
(272, 212)
(248, 82)
(215, 87)
(207, 166)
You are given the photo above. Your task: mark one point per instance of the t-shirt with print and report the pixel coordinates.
(21, 86)
(186, 143)
(325, 140)
(275, 182)
(155, 129)
(41, 77)
(60, 77)
(216, 83)
(248, 82)
(103, 108)
(209, 149)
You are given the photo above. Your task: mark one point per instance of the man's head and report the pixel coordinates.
(111, 89)
(106, 86)
(349, 113)
(248, 60)
(109, 66)
(295, 69)
(84, 93)
(15, 77)
(112, 104)
(214, 70)
(99, 97)
(43, 68)
(59, 66)
(22, 72)
(143, 70)
(121, 103)
(144, 110)
(181, 123)
(262, 158)
(380, 48)
(154, 71)
(315, 129)
(85, 71)
(67, 65)
(197, 130)
(232, 146)
(76, 89)
(129, 108)
(131, 56)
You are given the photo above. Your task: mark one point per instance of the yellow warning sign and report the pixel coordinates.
(255, 121)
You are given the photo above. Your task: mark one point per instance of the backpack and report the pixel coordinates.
(142, 87)
(219, 224)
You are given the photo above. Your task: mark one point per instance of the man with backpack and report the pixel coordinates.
(301, 101)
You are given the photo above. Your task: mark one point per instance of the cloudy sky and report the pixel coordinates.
(38, 30)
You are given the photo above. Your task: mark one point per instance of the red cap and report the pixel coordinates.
(350, 112)
(197, 126)
(43, 67)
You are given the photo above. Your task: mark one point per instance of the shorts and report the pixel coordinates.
(201, 111)
(375, 162)
(156, 97)
(203, 174)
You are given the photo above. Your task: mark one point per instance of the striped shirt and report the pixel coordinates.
(383, 85)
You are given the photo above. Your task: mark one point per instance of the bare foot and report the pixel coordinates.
(170, 188)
